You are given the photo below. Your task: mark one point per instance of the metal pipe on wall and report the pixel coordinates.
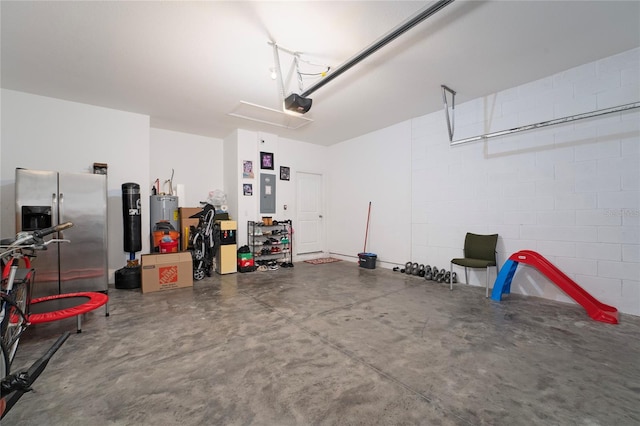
(568, 119)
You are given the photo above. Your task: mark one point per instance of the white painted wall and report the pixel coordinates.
(569, 192)
(230, 173)
(299, 157)
(247, 145)
(195, 160)
(248, 205)
(51, 134)
(372, 168)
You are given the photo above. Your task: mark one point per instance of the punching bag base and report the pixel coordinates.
(128, 278)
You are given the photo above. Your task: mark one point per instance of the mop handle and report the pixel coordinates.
(366, 233)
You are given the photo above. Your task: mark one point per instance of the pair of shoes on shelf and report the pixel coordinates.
(263, 268)
(286, 264)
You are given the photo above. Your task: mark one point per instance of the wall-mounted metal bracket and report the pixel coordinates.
(450, 119)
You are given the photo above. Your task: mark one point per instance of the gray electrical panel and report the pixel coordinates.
(267, 193)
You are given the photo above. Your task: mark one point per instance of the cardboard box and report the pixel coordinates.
(166, 271)
(186, 222)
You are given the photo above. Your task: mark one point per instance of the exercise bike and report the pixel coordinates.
(15, 301)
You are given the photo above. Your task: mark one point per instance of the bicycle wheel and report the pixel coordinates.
(16, 305)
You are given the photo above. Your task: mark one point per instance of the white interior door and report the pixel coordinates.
(309, 230)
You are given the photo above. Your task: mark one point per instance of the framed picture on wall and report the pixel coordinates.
(247, 169)
(266, 160)
(284, 173)
(247, 189)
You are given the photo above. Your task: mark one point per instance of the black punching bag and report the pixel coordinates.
(132, 217)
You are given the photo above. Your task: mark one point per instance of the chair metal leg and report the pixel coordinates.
(466, 276)
(450, 275)
(487, 284)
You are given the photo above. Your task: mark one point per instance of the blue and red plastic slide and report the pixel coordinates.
(596, 310)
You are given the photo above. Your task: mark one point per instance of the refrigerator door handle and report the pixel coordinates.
(60, 212)
(54, 208)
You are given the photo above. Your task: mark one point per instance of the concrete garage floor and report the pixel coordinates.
(333, 344)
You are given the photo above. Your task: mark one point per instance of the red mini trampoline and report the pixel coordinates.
(61, 306)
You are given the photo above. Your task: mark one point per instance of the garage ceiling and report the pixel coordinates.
(188, 65)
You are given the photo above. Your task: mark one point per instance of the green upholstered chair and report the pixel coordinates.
(479, 252)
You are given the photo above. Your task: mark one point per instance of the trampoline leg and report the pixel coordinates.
(79, 323)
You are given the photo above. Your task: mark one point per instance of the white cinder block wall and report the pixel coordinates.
(569, 192)
(372, 168)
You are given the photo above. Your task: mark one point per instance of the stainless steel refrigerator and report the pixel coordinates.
(46, 198)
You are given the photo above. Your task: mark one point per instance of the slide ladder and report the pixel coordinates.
(596, 310)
